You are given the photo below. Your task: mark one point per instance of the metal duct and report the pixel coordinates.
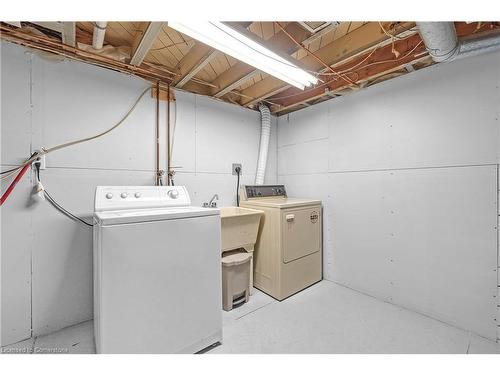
(440, 39)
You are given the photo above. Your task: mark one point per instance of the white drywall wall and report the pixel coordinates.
(407, 172)
(46, 259)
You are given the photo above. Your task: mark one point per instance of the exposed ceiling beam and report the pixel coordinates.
(143, 41)
(69, 33)
(367, 69)
(410, 49)
(198, 57)
(340, 49)
(241, 72)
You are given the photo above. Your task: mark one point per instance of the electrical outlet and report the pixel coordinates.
(236, 165)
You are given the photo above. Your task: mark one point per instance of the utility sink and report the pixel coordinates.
(239, 228)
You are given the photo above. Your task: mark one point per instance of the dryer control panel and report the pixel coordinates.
(263, 191)
(111, 198)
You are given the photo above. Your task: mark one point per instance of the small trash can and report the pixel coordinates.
(235, 278)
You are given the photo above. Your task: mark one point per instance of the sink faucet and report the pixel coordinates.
(213, 201)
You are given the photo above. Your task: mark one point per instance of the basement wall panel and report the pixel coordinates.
(15, 248)
(424, 239)
(426, 139)
(72, 100)
(444, 115)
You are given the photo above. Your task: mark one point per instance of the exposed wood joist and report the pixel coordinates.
(143, 41)
(69, 33)
(197, 59)
(199, 56)
(340, 49)
(381, 62)
(50, 45)
(241, 72)
(370, 68)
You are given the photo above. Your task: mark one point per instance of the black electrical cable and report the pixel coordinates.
(238, 171)
(57, 205)
(63, 210)
(18, 167)
(10, 170)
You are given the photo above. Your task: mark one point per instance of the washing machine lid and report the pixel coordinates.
(282, 202)
(157, 214)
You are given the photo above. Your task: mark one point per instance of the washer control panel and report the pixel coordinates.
(110, 198)
(262, 191)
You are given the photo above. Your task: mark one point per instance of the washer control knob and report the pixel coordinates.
(123, 195)
(137, 195)
(109, 195)
(174, 194)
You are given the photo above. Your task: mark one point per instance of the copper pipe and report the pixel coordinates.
(169, 147)
(157, 135)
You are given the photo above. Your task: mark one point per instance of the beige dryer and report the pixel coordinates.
(288, 252)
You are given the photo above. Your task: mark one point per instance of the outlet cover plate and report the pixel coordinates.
(235, 165)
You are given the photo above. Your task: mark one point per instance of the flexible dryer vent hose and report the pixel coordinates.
(265, 134)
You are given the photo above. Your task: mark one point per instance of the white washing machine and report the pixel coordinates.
(157, 271)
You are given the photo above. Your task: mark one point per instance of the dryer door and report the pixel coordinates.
(301, 231)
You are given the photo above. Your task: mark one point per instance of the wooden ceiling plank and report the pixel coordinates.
(344, 47)
(197, 58)
(143, 41)
(408, 48)
(240, 72)
(237, 83)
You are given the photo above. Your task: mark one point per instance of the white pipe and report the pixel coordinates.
(440, 39)
(265, 134)
(98, 36)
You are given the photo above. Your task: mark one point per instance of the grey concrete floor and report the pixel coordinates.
(325, 318)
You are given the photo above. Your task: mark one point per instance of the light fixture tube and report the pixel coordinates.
(229, 41)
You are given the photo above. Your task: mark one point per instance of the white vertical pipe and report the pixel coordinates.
(98, 36)
(265, 135)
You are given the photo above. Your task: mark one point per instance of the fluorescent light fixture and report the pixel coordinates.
(231, 42)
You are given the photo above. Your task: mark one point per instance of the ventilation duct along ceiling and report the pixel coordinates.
(441, 41)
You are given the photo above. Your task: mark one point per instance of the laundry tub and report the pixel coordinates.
(239, 229)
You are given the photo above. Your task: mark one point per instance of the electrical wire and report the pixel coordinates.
(63, 210)
(365, 66)
(10, 170)
(301, 45)
(238, 171)
(284, 62)
(13, 171)
(54, 203)
(45, 151)
(392, 36)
